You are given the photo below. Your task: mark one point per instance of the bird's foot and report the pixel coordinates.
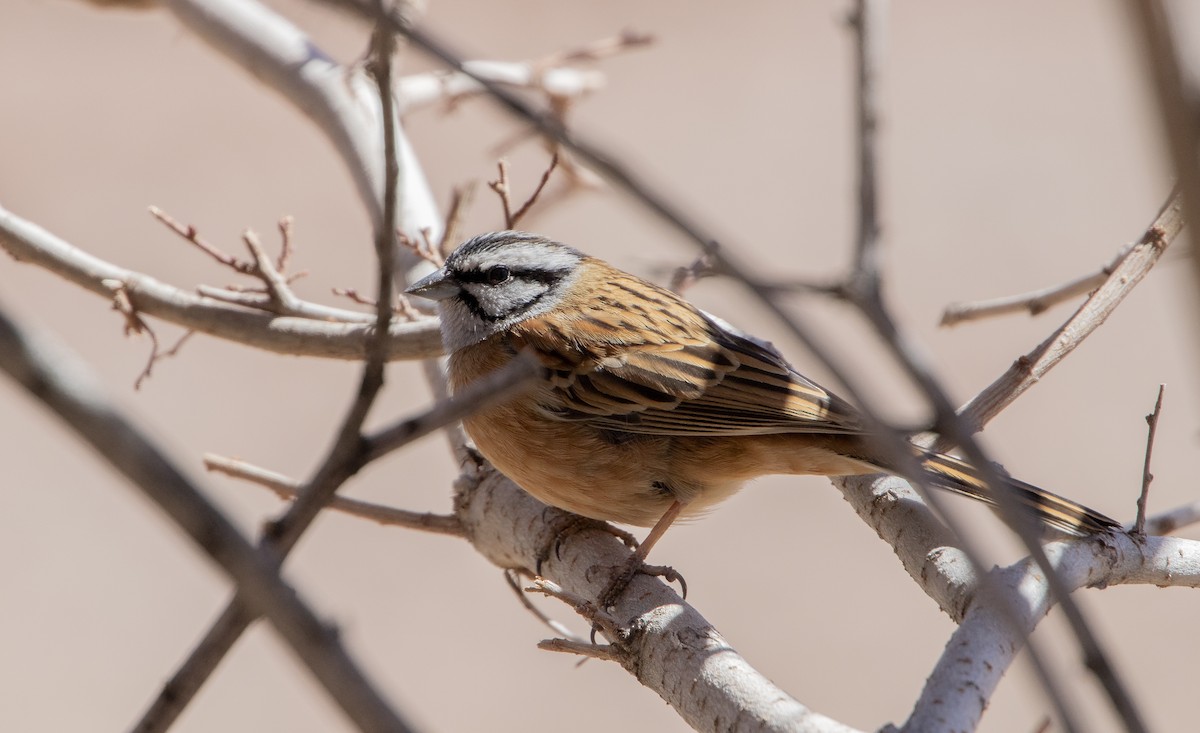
(625, 574)
(569, 524)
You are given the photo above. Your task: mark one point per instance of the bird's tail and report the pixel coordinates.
(1052, 510)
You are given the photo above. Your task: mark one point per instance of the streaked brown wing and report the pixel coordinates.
(674, 371)
(762, 394)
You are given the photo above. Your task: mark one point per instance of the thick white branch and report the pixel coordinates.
(986, 642)
(673, 650)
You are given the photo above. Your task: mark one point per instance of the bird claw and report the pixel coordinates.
(569, 524)
(624, 577)
(668, 574)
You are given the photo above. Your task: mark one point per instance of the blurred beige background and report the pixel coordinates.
(1021, 150)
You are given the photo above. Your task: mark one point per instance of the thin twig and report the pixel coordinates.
(264, 269)
(585, 649)
(533, 197)
(174, 350)
(422, 248)
(286, 248)
(1139, 524)
(596, 50)
(134, 324)
(546, 75)
(354, 296)
(273, 275)
(513, 578)
(191, 234)
(460, 203)
(502, 189)
(585, 607)
(1035, 303)
(276, 294)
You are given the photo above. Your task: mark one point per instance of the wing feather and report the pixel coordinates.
(657, 365)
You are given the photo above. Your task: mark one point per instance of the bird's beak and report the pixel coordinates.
(435, 286)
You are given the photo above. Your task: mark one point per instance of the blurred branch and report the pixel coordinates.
(1177, 107)
(64, 384)
(548, 75)
(421, 90)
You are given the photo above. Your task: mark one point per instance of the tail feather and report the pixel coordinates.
(953, 474)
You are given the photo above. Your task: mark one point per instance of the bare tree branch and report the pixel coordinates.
(347, 339)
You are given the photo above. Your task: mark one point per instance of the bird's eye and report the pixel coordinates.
(497, 274)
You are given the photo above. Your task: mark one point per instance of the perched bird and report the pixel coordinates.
(648, 408)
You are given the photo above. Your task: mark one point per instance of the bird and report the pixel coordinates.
(646, 409)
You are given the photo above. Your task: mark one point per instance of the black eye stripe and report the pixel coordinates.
(546, 277)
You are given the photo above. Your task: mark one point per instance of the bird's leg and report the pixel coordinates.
(636, 562)
(658, 530)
